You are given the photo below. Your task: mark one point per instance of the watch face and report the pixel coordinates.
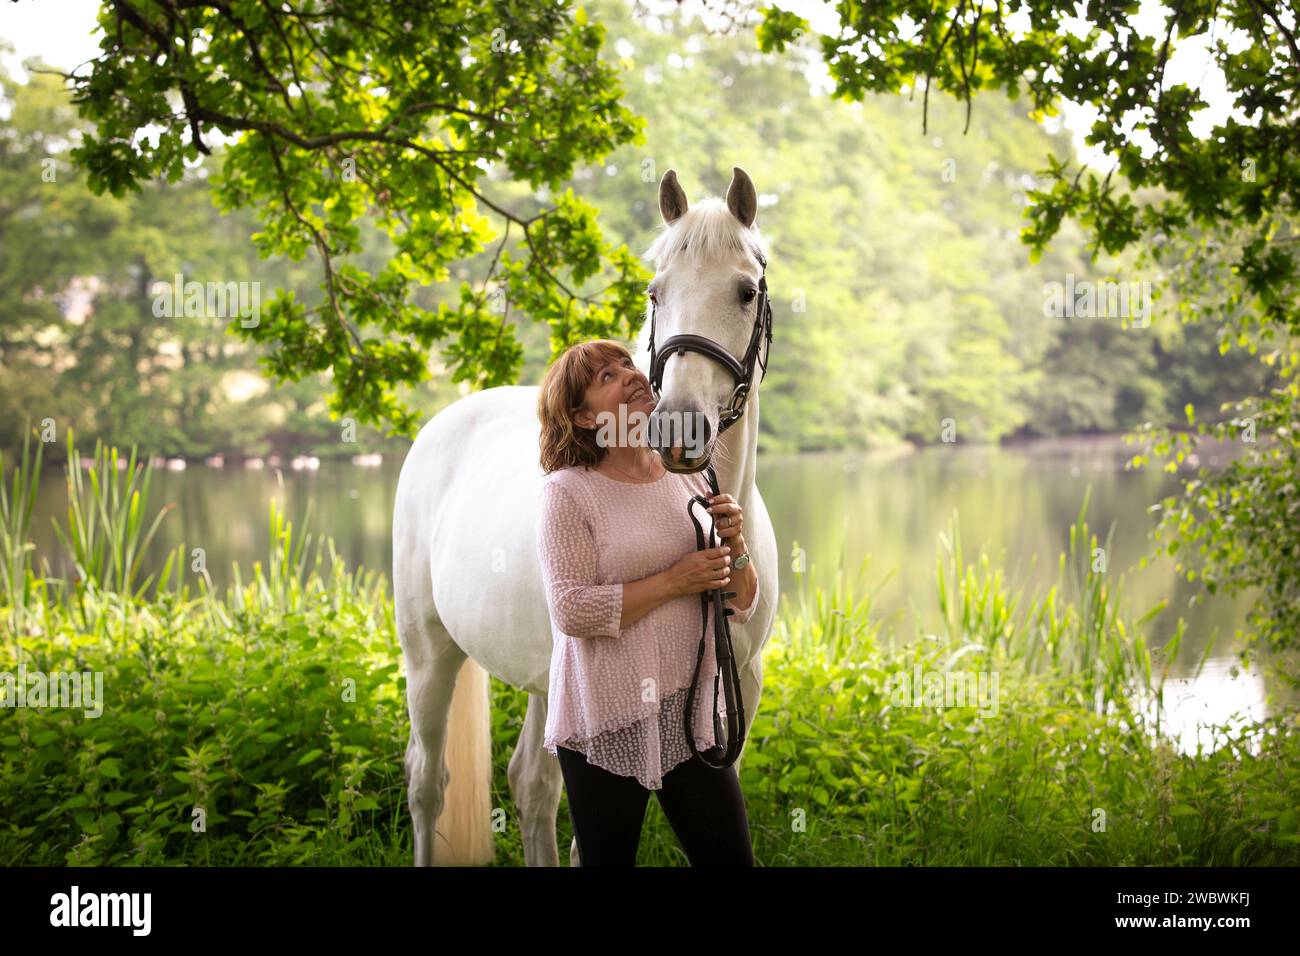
(740, 563)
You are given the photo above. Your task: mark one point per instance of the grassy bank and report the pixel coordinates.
(266, 725)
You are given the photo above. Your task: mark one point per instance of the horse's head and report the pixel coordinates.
(708, 305)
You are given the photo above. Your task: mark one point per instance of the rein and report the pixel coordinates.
(718, 756)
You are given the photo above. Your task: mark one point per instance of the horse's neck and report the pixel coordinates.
(737, 458)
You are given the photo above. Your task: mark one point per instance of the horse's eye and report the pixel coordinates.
(748, 295)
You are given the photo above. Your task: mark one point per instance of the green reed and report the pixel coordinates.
(837, 618)
(106, 534)
(301, 567)
(1082, 636)
(1074, 631)
(18, 587)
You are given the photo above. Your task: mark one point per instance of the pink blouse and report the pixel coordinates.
(618, 695)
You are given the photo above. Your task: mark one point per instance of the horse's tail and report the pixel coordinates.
(464, 827)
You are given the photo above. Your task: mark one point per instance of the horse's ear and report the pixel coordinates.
(672, 198)
(742, 199)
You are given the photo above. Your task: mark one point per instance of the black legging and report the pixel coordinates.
(704, 807)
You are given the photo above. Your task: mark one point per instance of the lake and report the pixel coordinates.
(829, 510)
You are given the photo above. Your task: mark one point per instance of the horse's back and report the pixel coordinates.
(470, 436)
(467, 498)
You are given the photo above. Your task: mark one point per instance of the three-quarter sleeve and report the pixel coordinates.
(567, 549)
(744, 614)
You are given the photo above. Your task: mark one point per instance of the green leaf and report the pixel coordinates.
(803, 728)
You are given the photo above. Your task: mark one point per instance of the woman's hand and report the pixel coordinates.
(699, 571)
(727, 516)
(729, 522)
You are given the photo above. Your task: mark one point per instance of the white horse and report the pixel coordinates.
(469, 598)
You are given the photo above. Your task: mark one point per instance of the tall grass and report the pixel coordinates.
(834, 620)
(301, 567)
(106, 534)
(1075, 632)
(278, 708)
(21, 593)
(1080, 635)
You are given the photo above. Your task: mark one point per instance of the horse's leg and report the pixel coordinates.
(432, 662)
(536, 784)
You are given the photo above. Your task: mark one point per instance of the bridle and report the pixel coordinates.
(742, 371)
(718, 756)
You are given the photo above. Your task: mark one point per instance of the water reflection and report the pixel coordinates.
(1211, 709)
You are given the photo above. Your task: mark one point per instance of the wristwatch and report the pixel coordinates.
(741, 562)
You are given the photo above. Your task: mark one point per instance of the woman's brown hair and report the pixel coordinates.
(563, 392)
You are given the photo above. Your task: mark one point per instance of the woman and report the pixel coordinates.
(623, 579)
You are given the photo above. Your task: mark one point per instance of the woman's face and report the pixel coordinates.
(617, 382)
